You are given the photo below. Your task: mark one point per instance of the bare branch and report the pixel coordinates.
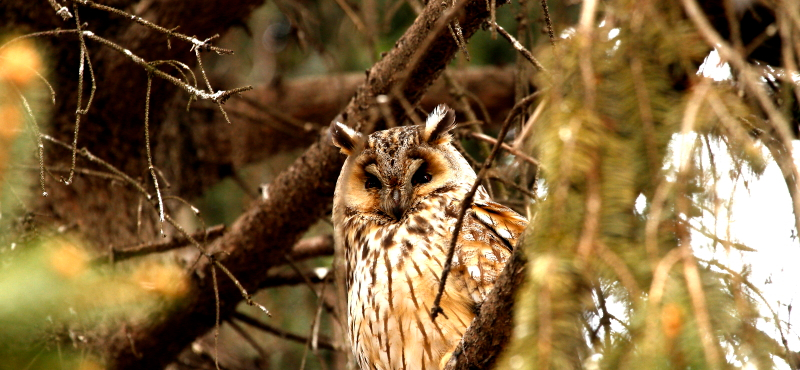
(293, 277)
(264, 234)
(520, 107)
(202, 45)
(180, 241)
(549, 23)
(313, 247)
(490, 331)
(506, 147)
(322, 342)
(520, 48)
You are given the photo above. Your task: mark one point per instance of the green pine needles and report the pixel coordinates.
(611, 285)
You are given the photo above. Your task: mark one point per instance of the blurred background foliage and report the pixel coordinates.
(56, 293)
(52, 292)
(595, 143)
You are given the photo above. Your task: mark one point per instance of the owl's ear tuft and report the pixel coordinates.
(344, 137)
(439, 124)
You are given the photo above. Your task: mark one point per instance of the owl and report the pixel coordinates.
(395, 208)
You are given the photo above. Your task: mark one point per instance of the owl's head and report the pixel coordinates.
(387, 174)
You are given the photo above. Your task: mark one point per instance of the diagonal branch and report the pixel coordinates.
(490, 331)
(297, 198)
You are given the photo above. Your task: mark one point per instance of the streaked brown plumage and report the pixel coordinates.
(394, 212)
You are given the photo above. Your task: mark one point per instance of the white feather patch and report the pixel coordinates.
(347, 138)
(349, 131)
(504, 233)
(434, 118)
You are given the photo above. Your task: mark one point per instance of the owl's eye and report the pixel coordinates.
(421, 177)
(372, 182)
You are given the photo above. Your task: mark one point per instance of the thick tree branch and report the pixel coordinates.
(113, 125)
(490, 331)
(317, 100)
(255, 133)
(262, 236)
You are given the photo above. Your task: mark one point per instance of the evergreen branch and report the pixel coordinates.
(752, 81)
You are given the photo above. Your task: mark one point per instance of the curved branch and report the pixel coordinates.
(490, 331)
(262, 236)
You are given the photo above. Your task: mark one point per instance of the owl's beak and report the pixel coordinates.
(396, 208)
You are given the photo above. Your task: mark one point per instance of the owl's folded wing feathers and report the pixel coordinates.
(488, 235)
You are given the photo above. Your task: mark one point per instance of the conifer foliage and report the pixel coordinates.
(626, 116)
(617, 148)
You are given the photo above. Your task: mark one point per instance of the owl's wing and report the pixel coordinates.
(488, 235)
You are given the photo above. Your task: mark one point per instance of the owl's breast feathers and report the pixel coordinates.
(394, 271)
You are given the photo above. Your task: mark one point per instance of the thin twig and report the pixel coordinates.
(303, 126)
(529, 124)
(548, 22)
(506, 147)
(622, 270)
(351, 14)
(459, 93)
(85, 153)
(246, 296)
(37, 137)
(521, 48)
(491, 6)
(149, 155)
(646, 116)
(55, 33)
(682, 207)
(586, 28)
(312, 341)
(219, 96)
(293, 277)
(78, 170)
(458, 36)
(752, 82)
(512, 184)
(249, 339)
(323, 343)
(306, 279)
(657, 287)
(61, 10)
(208, 83)
(79, 111)
(467, 202)
(216, 320)
(117, 255)
(695, 286)
(202, 45)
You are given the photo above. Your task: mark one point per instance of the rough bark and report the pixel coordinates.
(491, 330)
(274, 118)
(194, 150)
(297, 198)
(106, 214)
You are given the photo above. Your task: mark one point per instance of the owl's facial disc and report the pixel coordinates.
(396, 189)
